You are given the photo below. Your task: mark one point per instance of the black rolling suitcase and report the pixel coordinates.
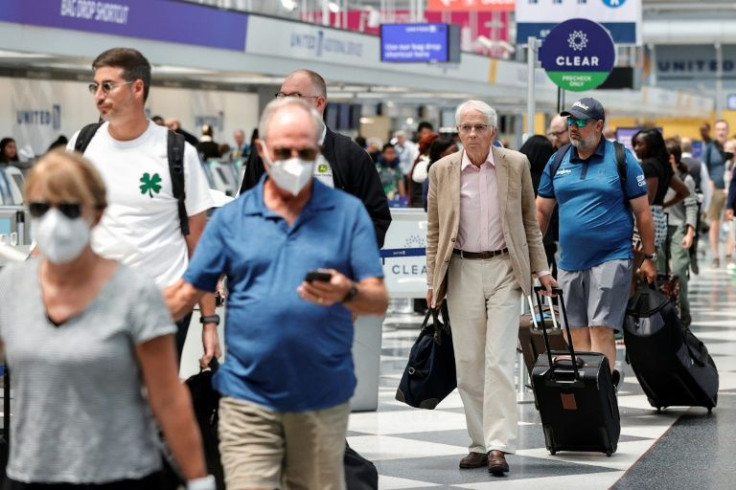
(672, 365)
(575, 396)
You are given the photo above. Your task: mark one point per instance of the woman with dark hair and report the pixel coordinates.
(650, 148)
(441, 147)
(8, 150)
(681, 226)
(538, 149)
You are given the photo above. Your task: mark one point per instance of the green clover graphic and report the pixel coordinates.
(149, 184)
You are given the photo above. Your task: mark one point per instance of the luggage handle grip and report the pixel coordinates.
(559, 359)
(557, 292)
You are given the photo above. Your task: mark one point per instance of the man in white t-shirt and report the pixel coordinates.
(141, 225)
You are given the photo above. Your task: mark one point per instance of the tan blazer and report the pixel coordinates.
(519, 217)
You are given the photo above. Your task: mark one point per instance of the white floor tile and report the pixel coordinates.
(392, 483)
(380, 448)
(597, 481)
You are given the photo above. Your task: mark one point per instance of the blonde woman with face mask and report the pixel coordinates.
(83, 336)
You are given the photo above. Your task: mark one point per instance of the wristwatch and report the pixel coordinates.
(651, 256)
(210, 319)
(351, 294)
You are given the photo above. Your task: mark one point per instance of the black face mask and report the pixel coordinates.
(728, 155)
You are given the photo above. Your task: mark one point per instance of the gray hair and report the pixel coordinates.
(480, 106)
(277, 105)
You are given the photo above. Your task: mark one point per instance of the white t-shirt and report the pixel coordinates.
(141, 226)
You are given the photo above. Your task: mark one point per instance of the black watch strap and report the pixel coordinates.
(351, 294)
(210, 319)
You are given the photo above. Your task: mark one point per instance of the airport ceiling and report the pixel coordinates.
(50, 66)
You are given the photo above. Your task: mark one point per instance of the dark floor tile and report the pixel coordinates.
(697, 452)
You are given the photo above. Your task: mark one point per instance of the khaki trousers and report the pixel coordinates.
(263, 449)
(483, 300)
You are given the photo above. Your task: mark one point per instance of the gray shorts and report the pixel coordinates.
(597, 297)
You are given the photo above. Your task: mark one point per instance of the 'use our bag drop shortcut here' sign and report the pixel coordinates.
(578, 55)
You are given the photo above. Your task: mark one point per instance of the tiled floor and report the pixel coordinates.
(416, 449)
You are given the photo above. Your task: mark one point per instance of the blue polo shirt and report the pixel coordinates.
(595, 224)
(283, 352)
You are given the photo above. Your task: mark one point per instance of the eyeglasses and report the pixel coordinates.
(467, 128)
(556, 134)
(281, 95)
(71, 210)
(577, 122)
(309, 154)
(106, 87)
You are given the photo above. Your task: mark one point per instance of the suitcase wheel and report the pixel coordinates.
(552, 451)
(710, 410)
(609, 453)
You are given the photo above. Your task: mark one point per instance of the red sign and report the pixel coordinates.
(471, 5)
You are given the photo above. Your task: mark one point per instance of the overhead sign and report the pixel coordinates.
(420, 43)
(578, 55)
(692, 62)
(471, 5)
(536, 18)
(185, 22)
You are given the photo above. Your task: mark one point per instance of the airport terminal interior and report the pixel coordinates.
(218, 63)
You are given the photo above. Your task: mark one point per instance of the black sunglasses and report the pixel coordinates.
(309, 154)
(71, 210)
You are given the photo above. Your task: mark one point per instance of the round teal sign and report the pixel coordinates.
(578, 54)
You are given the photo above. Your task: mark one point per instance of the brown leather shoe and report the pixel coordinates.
(474, 460)
(497, 463)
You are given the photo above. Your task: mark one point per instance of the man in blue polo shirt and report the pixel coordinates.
(288, 374)
(596, 228)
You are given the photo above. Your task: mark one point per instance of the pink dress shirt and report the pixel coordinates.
(481, 226)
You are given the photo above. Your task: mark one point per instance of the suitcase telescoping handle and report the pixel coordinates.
(558, 293)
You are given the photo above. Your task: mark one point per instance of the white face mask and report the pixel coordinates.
(291, 175)
(60, 239)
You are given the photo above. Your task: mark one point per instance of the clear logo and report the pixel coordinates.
(577, 40)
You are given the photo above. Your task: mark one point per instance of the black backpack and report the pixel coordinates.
(620, 164)
(175, 151)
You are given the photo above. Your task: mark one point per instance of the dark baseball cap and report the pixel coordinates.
(586, 108)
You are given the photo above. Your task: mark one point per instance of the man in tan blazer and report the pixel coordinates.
(483, 244)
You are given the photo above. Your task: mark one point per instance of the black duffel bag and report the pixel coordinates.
(205, 402)
(430, 373)
(360, 474)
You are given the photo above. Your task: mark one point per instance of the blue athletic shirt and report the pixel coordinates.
(595, 224)
(283, 352)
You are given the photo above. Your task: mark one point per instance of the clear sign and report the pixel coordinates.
(420, 43)
(578, 55)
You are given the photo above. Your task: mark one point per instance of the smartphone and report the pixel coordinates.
(318, 275)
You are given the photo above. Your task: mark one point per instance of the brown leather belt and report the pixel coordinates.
(479, 255)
